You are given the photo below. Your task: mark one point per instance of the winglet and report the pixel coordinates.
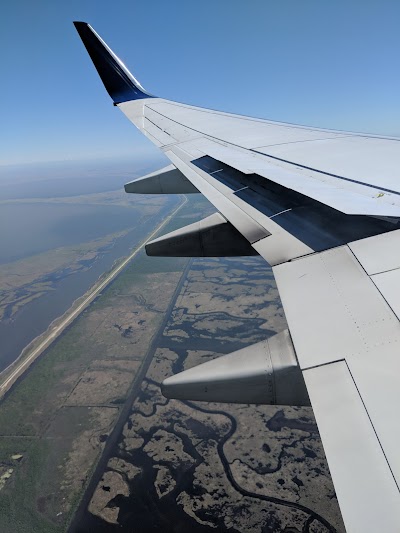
(119, 82)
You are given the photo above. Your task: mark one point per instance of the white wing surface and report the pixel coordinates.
(323, 208)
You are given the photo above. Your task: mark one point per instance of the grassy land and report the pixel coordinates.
(27, 279)
(54, 415)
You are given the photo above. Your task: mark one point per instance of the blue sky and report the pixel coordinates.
(325, 63)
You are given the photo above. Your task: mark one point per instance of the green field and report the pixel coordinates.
(61, 412)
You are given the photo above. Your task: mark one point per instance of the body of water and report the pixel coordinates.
(44, 230)
(29, 229)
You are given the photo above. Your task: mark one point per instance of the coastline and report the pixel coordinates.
(11, 374)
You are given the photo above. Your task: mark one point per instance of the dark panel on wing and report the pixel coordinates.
(317, 225)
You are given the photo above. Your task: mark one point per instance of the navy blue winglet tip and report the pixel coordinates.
(118, 81)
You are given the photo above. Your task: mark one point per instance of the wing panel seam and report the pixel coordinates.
(373, 427)
(371, 277)
(349, 180)
(275, 123)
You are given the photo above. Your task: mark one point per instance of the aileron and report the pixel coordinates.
(368, 495)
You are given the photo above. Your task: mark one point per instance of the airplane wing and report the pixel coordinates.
(322, 207)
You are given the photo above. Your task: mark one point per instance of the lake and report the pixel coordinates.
(28, 229)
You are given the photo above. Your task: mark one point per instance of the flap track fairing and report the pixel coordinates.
(264, 373)
(168, 180)
(213, 236)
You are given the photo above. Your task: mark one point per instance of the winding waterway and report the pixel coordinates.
(144, 510)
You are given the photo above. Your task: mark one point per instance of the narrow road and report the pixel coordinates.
(23, 365)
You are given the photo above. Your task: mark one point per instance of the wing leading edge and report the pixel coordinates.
(323, 208)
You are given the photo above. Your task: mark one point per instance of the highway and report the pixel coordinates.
(22, 365)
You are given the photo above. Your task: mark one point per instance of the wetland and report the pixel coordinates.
(88, 443)
(53, 249)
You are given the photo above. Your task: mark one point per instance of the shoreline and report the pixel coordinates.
(10, 375)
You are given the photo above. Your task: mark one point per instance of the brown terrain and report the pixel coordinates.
(88, 424)
(191, 466)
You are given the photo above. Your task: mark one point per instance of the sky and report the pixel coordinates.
(326, 63)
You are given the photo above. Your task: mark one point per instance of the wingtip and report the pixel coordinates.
(78, 23)
(118, 81)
